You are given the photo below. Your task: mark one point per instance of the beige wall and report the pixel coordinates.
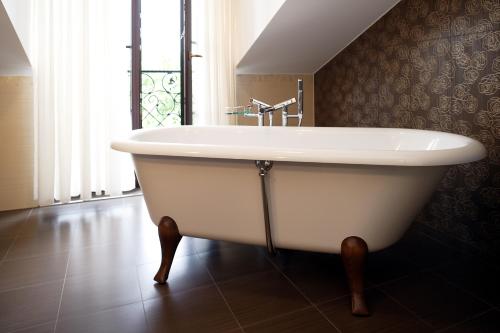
(273, 89)
(16, 143)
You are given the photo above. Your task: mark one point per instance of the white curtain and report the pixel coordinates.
(82, 97)
(213, 75)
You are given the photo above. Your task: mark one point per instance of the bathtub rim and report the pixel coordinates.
(472, 150)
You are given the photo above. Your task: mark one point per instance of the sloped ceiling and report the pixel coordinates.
(13, 58)
(305, 34)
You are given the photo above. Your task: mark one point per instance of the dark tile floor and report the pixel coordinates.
(88, 267)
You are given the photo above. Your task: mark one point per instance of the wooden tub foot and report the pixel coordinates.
(353, 252)
(169, 239)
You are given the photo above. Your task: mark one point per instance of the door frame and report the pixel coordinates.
(186, 65)
(185, 59)
(136, 66)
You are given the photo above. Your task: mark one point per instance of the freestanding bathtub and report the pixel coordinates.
(337, 190)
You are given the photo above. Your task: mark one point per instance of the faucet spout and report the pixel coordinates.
(284, 104)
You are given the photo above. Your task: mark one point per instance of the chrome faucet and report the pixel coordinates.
(263, 108)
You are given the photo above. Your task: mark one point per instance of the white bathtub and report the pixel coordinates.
(326, 183)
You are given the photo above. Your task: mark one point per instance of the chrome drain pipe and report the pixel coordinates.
(264, 167)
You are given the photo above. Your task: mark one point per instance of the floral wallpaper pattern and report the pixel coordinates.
(430, 64)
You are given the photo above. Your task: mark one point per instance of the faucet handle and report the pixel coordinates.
(284, 104)
(259, 104)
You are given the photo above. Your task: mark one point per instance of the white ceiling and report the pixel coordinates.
(13, 58)
(305, 34)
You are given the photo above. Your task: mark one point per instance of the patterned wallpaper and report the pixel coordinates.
(430, 64)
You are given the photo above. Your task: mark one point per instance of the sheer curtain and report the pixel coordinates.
(82, 94)
(213, 75)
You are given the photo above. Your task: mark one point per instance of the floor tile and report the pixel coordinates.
(319, 282)
(44, 328)
(134, 200)
(105, 204)
(424, 251)
(475, 276)
(387, 315)
(186, 273)
(432, 299)
(200, 310)
(54, 222)
(87, 226)
(54, 211)
(12, 221)
(26, 307)
(5, 243)
(24, 272)
(308, 320)
(486, 323)
(387, 265)
(206, 245)
(77, 208)
(291, 258)
(185, 248)
(39, 245)
(87, 294)
(261, 296)
(112, 256)
(125, 319)
(228, 263)
(466, 249)
(106, 229)
(114, 253)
